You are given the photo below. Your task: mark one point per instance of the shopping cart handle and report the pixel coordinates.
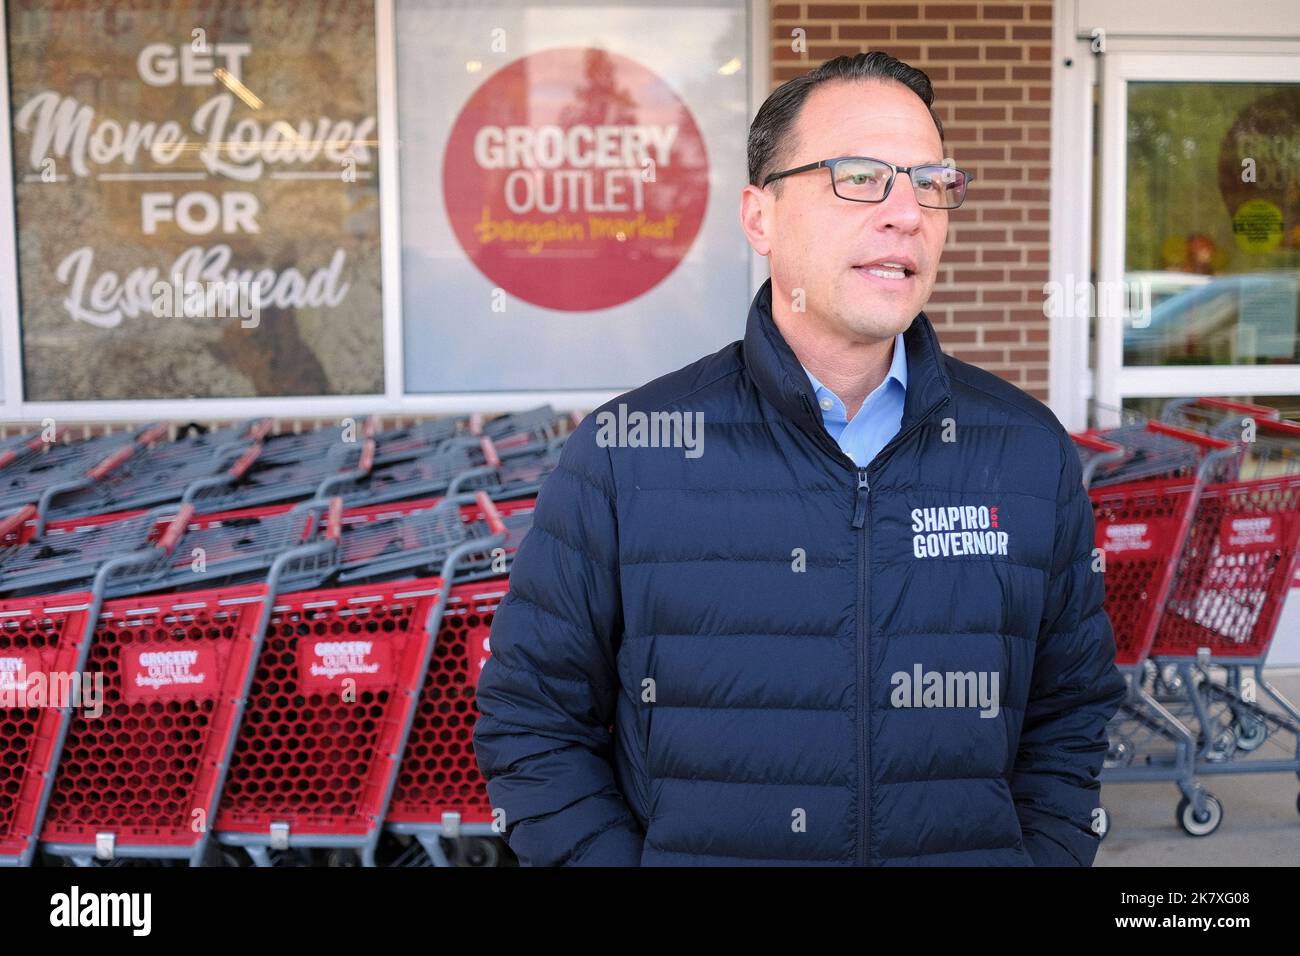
(16, 520)
(575, 418)
(490, 513)
(177, 528)
(372, 426)
(156, 433)
(1186, 434)
(261, 428)
(476, 423)
(240, 467)
(1247, 408)
(367, 460)
(490, 455)
(111, 462)
(334, 523)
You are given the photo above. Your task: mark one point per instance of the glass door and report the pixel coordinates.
(1198, 269)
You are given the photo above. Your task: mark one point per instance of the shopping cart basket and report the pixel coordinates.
(1140, 526)
(1233, 576)
(141, 777)
(440, 797)
(330, 710)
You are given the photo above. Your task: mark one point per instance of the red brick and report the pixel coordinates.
(969, 316)
(999, 93)
(954, 93)
(1004, 335)
(921, 33)
(979, 73)
(1029, 355)
(963, 32)
(951, 11)
(1031, 33)
(1030, 114)
(834, 11)
(859, 31)
(994, 113)
(999, 255)
(1030, 73)
(949, 295)
(1003, 134)
(1031, 154)
(999, 12)
(979, 275)
(1003, 295)
(1014, 214)
(983, 235)
(892, 11)
(1019, 194)
(1004, 53)
(783, 11)
(952, 53)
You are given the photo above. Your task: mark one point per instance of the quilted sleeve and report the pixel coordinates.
(1074, 691)
(547, 694)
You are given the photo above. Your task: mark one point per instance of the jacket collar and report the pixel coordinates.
(775, 370)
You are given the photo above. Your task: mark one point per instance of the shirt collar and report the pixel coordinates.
(897, 370)
(771, 365)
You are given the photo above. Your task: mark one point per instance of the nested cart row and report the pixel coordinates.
(264, 684)
(1197, 517)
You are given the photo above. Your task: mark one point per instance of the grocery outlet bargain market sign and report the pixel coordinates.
(575, 193)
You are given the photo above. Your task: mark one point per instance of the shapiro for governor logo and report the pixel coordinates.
(957, 530)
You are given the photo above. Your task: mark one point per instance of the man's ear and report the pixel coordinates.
(756, 218)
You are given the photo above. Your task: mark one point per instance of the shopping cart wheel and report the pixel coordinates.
(1205, 825)
(1251, 732)
(476, 851)
(1120, 753)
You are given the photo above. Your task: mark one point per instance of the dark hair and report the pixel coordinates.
(770, 131)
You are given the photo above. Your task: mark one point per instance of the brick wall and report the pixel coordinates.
(991, 68)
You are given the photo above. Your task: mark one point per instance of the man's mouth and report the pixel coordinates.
(889, 270)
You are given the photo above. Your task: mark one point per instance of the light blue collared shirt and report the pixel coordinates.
(879, 418)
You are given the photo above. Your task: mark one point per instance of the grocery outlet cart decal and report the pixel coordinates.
(575, 179)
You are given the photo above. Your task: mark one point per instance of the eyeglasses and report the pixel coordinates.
(862, 179)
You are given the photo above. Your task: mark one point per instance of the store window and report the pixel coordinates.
(569, 184)
(1213, 223)
(197, 199)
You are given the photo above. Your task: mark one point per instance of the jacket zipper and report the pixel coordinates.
(861, 509)
(864, 663)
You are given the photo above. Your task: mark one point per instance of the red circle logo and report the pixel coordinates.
(575, 179)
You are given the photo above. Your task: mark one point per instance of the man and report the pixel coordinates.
(857, 624)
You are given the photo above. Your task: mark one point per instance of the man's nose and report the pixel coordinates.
(900, 208)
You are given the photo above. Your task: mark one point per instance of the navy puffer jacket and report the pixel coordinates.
(762, 654)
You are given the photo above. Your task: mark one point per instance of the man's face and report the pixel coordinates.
(838, 251)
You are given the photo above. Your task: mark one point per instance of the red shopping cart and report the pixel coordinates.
(141, 771)
(440, 803)
(331, 706)
(1218, 624)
